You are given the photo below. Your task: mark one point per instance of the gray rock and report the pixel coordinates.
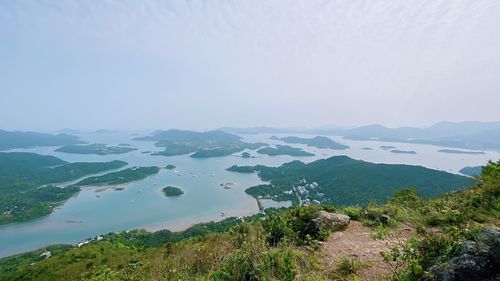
(384, 219)
(474, 260)
(330, 221)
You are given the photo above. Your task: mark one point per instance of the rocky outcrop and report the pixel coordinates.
(475, 260)
(330, 221)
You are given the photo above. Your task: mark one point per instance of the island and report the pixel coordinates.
(387, 147)
(170, 167)
(397, 151)
(472, 171)
(216, 152)
(17, 139)
(246, 155)
(319, 142)
(284, 150)
(455, 151)
(341, 181)
(95, 148)
(28, 183)
(120, 177)
(199, 144)
(171, 191)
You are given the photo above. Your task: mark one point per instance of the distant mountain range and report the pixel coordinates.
(18, 139)
(468, 135)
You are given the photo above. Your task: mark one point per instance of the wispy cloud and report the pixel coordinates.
(194, 63)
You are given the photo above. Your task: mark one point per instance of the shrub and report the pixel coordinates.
(353, 212)
(292, 226)
(348, 265)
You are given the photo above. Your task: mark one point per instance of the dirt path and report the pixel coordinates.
(355, 242)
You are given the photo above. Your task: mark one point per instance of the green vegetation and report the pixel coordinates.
(341, 180)
(120, 177)
(284, 150)
(16, 139)
(96, 148)
(245, 169)
(454, 151)
(201, 144)
(171, 191)
(279, 244)
(26, 183)
(170, 167)
(11, 264)
(348, 266)
(269, 249)
(445, 225)
(472, 171)
(319, 142)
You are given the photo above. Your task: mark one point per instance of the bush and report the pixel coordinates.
(292, 226)
(348, 265)
(353, 212)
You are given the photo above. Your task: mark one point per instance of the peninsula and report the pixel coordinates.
(120, 177)
(28, 183)
(96, 148)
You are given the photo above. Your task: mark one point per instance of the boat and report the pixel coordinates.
(131, 201)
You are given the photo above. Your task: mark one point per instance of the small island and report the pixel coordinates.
(246, 155)
(387, 147)
(319, 142)
(284, 150)
(96, 148)
(170, 167)
(455, 151)
(171, 191)
(397, 151)
(120, 177)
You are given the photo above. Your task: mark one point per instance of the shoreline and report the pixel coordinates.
(175, 226)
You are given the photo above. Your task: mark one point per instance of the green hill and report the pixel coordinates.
(341, 180)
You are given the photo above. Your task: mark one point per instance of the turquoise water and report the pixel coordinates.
(142, 205)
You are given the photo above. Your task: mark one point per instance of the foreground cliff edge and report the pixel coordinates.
(452, 237)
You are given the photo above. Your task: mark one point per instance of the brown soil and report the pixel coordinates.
(355, 242)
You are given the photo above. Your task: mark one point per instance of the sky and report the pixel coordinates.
(127, 64)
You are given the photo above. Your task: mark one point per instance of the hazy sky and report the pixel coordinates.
(205, 64)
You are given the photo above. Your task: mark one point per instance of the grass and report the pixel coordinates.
(279, 245)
